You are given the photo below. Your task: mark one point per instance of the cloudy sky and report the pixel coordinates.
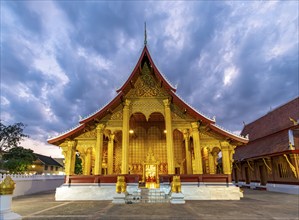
(64, 59)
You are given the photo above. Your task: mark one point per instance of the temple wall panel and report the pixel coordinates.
(117, 158)
(157, 141)
(147, 106)
(180, 125)
(137, 151)
(84, 144)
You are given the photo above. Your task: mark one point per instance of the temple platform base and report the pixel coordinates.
(86, 191)
(119, 198)
(211, 191)
(190, 191)
(177, 198)
(89, 191)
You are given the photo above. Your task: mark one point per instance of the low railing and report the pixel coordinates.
(198, 178)
(30, 184)
(163, 178)
(100, 179)
(26, 176)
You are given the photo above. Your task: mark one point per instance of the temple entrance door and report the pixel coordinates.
(150, 170)
(150, 175)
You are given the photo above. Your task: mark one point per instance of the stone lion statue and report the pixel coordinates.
(176, 186)
(121, 185)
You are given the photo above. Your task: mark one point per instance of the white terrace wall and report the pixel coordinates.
(30, 184)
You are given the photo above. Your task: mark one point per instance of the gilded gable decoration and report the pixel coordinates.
(179, 114)
(146, 85)
(117, 115)
(88, 134)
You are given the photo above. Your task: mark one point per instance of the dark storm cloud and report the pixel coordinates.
(105, 21)
(63, 59)
(30, 19)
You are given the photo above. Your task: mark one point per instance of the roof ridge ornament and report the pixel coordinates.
(145, 36)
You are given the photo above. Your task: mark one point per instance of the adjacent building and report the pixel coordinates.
(270, 160)
(45, 165)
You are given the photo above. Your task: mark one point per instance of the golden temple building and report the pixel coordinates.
(149, 132)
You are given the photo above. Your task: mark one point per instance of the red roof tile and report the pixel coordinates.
(278, 142)
(276, 120)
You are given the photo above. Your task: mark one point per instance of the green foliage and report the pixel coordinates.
(78, 165)
(17, 159)
(11, 136)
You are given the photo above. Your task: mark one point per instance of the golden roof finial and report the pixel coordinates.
(145, 36)
(7, 186)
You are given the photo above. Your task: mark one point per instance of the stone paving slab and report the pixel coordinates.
(255, 205)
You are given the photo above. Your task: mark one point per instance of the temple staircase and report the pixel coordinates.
(145, 195)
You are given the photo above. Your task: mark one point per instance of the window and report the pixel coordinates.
(247, 180)
(56, 168)
(282, 171)
(46, 167)
(52, 168)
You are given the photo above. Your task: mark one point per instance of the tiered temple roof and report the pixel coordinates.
(129, 84)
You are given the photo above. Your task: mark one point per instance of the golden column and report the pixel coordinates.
(125, 138)
(169, 137)
(70, 155)
(226, 162)
(99, 150)
(188, 153)
(87, 166)
(197, 148)
(110, 153)
(211, 162)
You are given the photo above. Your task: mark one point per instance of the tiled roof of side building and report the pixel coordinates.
(48, 160)
(269, 134)
(274, 121)
(271, 144)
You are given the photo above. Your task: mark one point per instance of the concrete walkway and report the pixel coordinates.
(254, 205)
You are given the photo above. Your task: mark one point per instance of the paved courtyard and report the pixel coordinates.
(255, 205)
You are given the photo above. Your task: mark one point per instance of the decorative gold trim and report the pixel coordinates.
(268, 167)
(291, 165)
(294, 121)
(249, 165)
(238, 168)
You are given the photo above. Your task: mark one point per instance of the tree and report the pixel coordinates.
(78, 165)
(18, 159)
(11, 136)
